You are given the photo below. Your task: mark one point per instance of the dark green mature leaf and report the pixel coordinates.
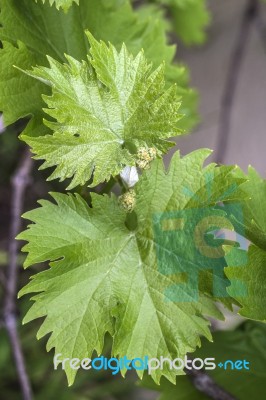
(247, 342)
(30, 31)
(106, 270)
(105, 110)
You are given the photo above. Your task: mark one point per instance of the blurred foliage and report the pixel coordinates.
(246, 342)
(189, 19)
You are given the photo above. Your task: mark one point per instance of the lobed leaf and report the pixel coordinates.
(107, 273)
(105, 110)
(29, 31)
(64, 4)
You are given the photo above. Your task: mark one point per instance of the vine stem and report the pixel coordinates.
(19, 183)
(250, 13)
(205, 384)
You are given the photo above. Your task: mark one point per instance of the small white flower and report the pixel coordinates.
(130, 176)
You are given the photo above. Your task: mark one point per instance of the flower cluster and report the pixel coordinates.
(145, 157)
(128, 200)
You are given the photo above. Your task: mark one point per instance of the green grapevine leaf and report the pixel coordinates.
(30, 31)
(19, 96)
(247, 273)
(105, 111)
(104, 274)
(64, 4)
(248, 281)
(251, 219)
(189, 18)
(190, 22)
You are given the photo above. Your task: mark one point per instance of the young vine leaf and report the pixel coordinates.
(104, 274)
(29, 31)
(64, 4)
(104, 110)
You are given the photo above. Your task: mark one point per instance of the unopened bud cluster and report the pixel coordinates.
(145, 157)
(128, 200)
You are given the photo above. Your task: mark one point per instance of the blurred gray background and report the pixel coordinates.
(209, 66)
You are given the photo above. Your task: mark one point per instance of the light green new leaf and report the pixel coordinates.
(30, 31)
(64, 4)
(104, 112)
(247, 272)
(106, 275)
